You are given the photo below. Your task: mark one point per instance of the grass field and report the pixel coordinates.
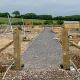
(13, 20)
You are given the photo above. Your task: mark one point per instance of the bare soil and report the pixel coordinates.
(8, 37)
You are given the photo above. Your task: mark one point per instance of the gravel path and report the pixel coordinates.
(43, 52)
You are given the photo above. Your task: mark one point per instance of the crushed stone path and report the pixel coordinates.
(43, 52)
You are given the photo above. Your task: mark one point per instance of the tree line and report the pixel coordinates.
(17, 14)
(68, 18)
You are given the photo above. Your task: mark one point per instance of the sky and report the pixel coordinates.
(50, 7)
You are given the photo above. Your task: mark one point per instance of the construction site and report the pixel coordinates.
(40, 52)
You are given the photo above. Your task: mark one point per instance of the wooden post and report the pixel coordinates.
(65, 48)
(17, 48)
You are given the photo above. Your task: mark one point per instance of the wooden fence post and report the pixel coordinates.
(17, 48)
(65, 49)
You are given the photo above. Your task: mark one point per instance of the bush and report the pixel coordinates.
(48, 22)
(60, 22)
(17, 23)
(37, 23)
(2, 23)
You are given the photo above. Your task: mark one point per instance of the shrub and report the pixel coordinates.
(37, 23)
(17, 23)
(60, 22)
(2, 23)
(48, 22)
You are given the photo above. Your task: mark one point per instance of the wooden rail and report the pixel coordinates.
(72, 63)
(74, 44)
(6, 46)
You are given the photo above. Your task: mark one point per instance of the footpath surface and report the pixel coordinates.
(43, 52)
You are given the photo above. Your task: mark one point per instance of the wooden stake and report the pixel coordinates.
(65, 47)
(17, 48)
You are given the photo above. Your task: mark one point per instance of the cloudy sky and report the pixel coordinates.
(53, 7)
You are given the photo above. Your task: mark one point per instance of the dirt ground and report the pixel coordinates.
(75, 52)
(8, 37)
(48, 74)
(5, 38)
(75, 56)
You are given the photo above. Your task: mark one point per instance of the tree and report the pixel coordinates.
(6, 14)
(16, 14)
(30, 16)
(58, 18)
(45, 17)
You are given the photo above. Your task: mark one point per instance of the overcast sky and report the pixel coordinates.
(53, 7)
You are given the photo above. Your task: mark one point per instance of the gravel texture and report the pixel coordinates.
(43, 52)
(45, 74)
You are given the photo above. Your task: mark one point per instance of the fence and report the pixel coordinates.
(67, 39)
(17, 51)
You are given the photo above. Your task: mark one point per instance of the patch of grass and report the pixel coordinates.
(19, 20)
(14, 20)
